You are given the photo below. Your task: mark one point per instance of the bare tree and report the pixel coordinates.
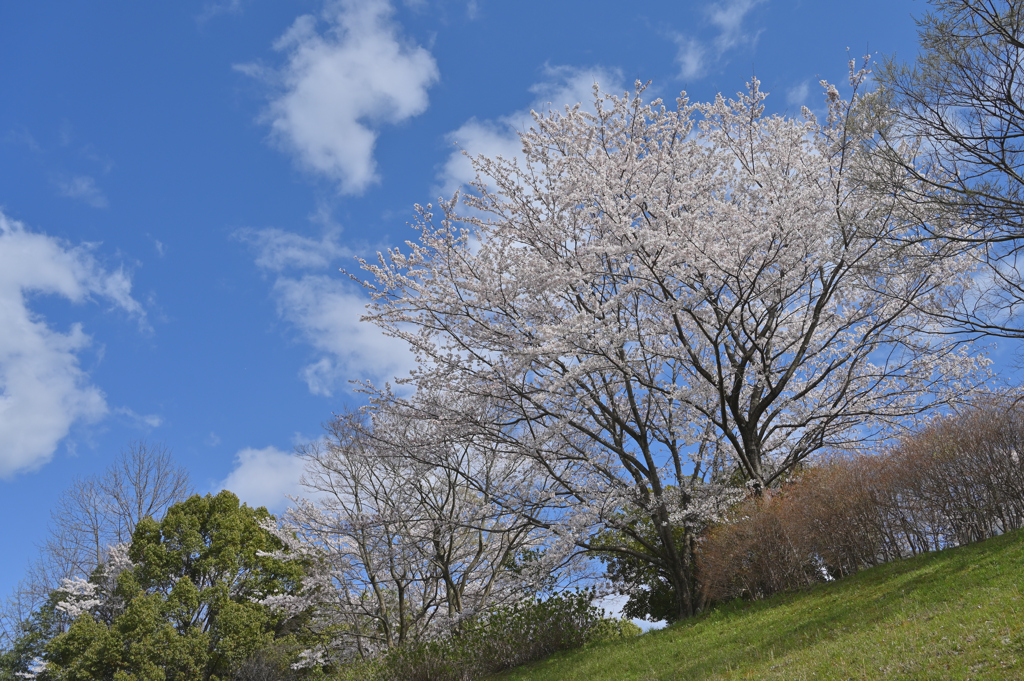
(81, 527)
(142, 483)
(93, 514)
(97, 512)
(401, 543)
(14, 610)
(960, 107)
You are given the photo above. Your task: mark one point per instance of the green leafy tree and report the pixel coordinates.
(191, 607)
(649, 588)
(34, 632)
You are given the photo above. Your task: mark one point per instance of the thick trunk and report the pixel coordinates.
(679, 566)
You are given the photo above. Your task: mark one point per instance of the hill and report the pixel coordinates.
(954, 614)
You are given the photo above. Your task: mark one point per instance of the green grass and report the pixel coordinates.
(956, 614)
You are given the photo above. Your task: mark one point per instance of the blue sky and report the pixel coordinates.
(181, 182)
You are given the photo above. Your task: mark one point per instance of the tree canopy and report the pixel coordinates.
(181, 602)
(958, 107)
(652, 302)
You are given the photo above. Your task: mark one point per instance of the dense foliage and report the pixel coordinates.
(650, 594)
(29, 641)
(181, 602)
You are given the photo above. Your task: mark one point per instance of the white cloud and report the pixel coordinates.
(84, 188)
(695, 56)
(265, 477)
(797, 95)
(728, 18)
(476, 138)
(324, 306)
(567, 86)
(140, 420)
(340, 85)
(280, 250)
(43, 391)
(563, 86)
(691, 57)
(213, 9)
(326, 311)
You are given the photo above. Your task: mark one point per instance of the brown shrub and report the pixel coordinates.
(754, 556)
(960, 479)
(824, 525)
(957, 480)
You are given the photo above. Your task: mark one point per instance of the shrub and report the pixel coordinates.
(506, 637)
(272, 663)
(755, 555)
(961, 478)
(957, 480)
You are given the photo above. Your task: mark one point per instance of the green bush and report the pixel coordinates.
(506, 637)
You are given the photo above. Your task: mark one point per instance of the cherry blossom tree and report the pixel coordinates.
(660, 302)
(400, 536)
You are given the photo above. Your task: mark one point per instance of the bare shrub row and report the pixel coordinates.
(958, 480)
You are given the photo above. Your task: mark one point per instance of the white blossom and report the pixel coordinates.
(656, 299)
(97, 595)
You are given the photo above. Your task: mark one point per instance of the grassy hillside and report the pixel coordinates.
(957, 614)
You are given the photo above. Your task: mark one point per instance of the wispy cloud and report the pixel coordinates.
(278, 250)
(347, 73)
(696, 57)
(218, 7)
(140, 420)
(43, 390)
(325, 307)
(83, 188)
(22, 137)
(797, 95)
(691, 57)
(728, 18)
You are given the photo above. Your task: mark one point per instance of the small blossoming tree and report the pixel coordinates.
(401, 536)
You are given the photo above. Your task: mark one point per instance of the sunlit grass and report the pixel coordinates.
(955, 614)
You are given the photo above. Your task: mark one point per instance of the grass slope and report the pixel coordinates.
(956, 614)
